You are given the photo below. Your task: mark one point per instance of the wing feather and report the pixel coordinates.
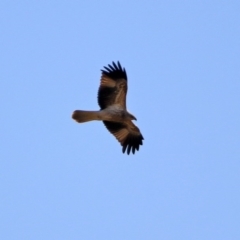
(110, 68)
(113, 86)
(128, 135)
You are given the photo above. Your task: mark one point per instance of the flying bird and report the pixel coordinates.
(113, 110)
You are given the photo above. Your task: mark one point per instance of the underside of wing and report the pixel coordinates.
(130, 139)
(113, 86)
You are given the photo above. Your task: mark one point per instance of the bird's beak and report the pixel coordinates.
(134, 118)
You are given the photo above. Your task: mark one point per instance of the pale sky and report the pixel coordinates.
(63, 180)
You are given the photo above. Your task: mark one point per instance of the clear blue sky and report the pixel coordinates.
(63, 180)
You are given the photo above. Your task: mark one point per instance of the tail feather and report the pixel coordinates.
(85, 116)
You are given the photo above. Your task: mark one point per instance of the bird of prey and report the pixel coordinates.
(113, 110)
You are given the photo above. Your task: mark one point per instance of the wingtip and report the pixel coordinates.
(115, 70)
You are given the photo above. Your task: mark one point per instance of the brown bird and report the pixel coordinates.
(113, 111)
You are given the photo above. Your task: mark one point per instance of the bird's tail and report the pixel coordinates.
(85, 116)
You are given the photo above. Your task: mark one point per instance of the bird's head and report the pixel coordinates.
(132, 117)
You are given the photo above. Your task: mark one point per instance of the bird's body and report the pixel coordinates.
(112, 101)
(113, 113)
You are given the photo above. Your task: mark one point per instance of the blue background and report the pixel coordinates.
(63, 180)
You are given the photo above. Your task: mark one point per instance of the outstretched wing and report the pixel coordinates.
(113, 86)
(128, 135)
